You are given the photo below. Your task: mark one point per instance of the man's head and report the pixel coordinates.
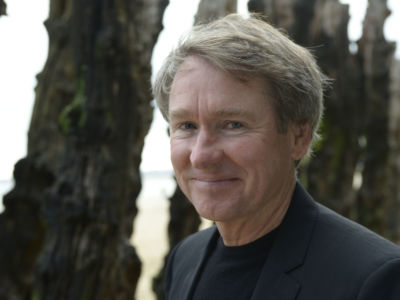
(251, 48)
(243, 103)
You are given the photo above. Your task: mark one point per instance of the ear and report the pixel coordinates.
(301, 139)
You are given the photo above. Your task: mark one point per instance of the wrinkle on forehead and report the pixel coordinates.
(194, 63)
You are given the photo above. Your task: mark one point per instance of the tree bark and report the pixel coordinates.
(209, 10)
(3, 8)
(393, 209)
(337, 156)
(295, 16)
(75, 195)
(374, 197)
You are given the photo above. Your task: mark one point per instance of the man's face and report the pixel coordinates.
(228, 157)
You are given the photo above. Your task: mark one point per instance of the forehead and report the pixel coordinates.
(198, 83)
(194, 63)
(217, 78)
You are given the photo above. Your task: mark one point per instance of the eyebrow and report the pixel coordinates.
(180, 114)
(234, 112)
(225, 112)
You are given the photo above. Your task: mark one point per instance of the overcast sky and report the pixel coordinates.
(23, 51)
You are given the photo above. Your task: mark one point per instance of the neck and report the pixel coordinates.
(241, 232)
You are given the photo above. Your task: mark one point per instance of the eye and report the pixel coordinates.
(187, 126)
(184, 128)
(234, 125)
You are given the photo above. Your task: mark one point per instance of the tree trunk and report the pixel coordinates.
(374, 197)
(393, 209)
(295, 16)
(209, 10)
(3, 8)
(337, 156)
(184, 219)
(75, 193)
(355, 126)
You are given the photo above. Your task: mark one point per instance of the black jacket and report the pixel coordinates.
(317, 254)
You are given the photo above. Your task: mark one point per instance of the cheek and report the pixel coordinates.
(179, 155)
(258, 158)
(180, 163)
(247, 153)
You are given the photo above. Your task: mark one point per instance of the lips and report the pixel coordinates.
(214, 181)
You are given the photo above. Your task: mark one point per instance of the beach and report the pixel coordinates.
(150, 228)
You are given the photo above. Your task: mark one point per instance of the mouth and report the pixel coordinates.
(215, 181)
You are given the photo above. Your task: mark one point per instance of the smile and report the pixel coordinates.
(213, 182)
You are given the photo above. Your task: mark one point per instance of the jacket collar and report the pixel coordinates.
(289, 249)
(204, 245)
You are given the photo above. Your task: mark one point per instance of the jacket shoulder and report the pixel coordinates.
(354, 261)
(350, 237)
(383, 283)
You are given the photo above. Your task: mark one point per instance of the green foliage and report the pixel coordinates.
(73, 115)
(35, 295)
(322, 132)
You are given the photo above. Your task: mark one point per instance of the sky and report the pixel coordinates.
(23, 51)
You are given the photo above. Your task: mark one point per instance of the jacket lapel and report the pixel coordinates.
(289, 250)
(189, 269)
(194, 277)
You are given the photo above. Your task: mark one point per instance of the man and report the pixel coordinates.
(244, 103)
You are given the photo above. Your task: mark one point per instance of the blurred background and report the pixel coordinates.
(76, 189)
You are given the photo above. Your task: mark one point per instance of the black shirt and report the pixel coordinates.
(232, 272)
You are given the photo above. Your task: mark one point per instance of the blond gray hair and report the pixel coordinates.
(252, 47)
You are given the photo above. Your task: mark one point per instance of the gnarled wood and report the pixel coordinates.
(393, 208)
(77, 187)
(3, 8)
(209, 10)
(374, 196)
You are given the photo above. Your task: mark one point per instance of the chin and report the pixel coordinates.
(216, 208)
(215, 215)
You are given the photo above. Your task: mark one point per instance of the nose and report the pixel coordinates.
(206, 152)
